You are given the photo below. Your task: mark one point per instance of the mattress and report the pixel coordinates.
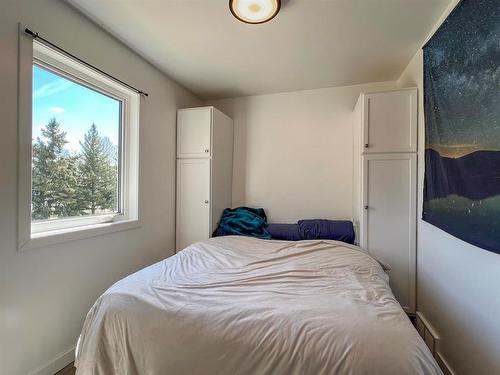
(238, 305)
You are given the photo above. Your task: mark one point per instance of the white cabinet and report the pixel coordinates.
(384, 196)
(390, 121)
(389, 217)
(193, 137)
(193, 199)
(204, 172)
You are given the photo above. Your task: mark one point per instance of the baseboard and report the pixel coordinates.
(443, 364)
(59, 362)
(433, 341)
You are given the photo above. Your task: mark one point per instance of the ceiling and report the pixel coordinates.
(310, 43)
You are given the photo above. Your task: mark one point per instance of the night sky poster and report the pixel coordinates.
(462, 124)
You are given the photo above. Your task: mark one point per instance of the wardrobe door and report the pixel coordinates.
(193, 201)
(390, 122)
(389, 195)
(194, 132)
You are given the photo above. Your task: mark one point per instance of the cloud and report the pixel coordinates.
(52, 88)
(56, 109)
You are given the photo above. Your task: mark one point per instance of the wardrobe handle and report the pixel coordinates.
(206, 201)
(366, 207)
(366, 145)
(207, 150)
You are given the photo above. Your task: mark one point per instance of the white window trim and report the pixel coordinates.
(35, 235)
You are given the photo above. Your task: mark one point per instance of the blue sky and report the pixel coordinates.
(75, 107)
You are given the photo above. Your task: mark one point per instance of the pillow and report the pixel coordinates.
(287, 232)
(321, 229)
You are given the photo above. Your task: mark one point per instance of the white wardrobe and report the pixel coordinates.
(385, 182)
(204, 172)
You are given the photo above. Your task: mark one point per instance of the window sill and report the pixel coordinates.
(76, 233)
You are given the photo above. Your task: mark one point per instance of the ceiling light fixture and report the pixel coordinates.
(254, 11)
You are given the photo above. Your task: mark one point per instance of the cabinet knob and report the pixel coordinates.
(206, 201)
(366, 207)
(366, 145)
(207, 150)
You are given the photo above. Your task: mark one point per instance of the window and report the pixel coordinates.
(83, 151)
(76, 152)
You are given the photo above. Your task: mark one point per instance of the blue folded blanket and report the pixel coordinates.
(314, 229)
(285, 232)
(243, 221)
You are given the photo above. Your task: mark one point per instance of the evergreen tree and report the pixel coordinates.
(39, 184)
(97, 175)
(65, 182)
(110, 150)
(53, 175)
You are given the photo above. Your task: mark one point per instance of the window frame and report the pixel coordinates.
(43, 233)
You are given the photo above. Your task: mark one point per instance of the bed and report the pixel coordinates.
(239, 305)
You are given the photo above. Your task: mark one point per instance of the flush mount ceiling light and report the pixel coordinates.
(254, 11)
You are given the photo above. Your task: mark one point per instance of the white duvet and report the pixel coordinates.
(235, 305)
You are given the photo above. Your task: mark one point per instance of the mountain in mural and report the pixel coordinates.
(474, 176)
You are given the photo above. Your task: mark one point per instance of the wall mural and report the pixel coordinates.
(462, 124)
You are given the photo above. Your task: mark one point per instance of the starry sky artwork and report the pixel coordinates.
(462, 124)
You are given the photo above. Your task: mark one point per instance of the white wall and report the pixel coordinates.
(458, 285)
(45, 293)
(293, 151)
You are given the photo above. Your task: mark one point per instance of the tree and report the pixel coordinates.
(40, 167)
(97, 175)
(65, 185)
(65, 181)
(53, 175)
(110, 150)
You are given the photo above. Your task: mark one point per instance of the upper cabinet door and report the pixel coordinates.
(390, 122)
(194, 132)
